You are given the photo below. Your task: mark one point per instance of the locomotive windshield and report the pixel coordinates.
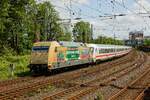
(40, 49)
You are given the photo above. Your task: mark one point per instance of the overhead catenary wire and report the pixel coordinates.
(73, 11)
(144, 9)
(132, 12)
(87, 6)
(87, 15)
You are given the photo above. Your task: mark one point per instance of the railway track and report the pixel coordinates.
(15, 81)
(141, 95)
(20, 90)
(126, 94)
(76, 92)
(133, 91)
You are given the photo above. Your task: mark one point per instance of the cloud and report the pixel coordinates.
(78, 1)
(83, 1)
(63, 6)
(141, 6)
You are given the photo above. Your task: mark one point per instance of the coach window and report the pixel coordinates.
(96, 50)
(102, 50)
(99, 51)
(111, 49)
(106, 50)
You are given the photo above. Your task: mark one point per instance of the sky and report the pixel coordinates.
(100, 13)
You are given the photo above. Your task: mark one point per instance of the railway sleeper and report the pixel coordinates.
(137, 87)
(116, 86)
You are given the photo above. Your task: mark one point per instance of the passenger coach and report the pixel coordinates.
(103, 52)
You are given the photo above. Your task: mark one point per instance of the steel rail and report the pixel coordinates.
(113, 97)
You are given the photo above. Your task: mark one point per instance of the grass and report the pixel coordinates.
(99, 96)
(20, 62)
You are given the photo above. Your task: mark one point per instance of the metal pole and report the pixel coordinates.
(71, 20)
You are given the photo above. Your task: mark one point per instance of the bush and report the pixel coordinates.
(20, 62)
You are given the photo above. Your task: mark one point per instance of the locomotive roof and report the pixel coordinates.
(44, 43)
(71, 44)
(62, 43)
(78, 44)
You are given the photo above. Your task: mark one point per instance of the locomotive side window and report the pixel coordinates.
(40, 49)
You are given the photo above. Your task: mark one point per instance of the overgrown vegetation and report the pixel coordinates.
(99, 96)
(20, 63)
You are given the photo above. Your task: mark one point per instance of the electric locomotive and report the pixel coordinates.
(54, 55)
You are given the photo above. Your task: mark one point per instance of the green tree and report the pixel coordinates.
(82, 32)
(107, 40)
(4, 6)
(65, 37)
(147, 42)
(24, 21)
(14, 26)
(48, 19)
